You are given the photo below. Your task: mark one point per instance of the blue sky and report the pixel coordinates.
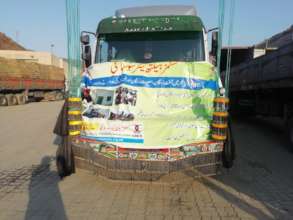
(40, 23)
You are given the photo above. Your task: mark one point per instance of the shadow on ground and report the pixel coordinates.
(261, 171)
(45, 200)
(273, 128)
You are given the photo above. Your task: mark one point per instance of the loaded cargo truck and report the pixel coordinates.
(22, 81)
(264, 85)
(151, 101)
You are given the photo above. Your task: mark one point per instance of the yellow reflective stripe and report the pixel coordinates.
(219, 125)
(218, 137)
(221, 100)
(72, 133)
(74, 112)
(75, 122)
(221, 114)
(74, 99)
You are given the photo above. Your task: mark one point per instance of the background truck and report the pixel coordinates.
(261, 81)
(21, 81)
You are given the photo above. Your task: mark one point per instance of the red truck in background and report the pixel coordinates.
(21, 81)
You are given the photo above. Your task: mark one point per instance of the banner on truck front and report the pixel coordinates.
(148, 106)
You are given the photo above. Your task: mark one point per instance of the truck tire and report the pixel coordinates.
(50, 96)
(228, 154)
(3, 100)
(65, 158)
(290, 132)
(59, 96)
(11, 99)
(21, 100)
(61, 166)
(47, 97)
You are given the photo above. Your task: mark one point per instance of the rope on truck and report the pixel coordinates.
(220, 115)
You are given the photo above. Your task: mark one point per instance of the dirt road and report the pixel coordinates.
(259, 186)
(26, 133)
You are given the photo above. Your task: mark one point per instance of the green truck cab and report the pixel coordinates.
(165, 33)
(151, 95)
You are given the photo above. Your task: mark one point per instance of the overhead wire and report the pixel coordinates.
(229, 51)
(221, 20)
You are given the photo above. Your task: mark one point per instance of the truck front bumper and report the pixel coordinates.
(201, 159)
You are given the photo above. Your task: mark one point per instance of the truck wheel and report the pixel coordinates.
(228, 154)
(21, 100)
(46, 97)
(290, 132)
(61, 166)
(65, 157)
(59, 96)
(3, 100)
(11, 99)
(50, 96)
(38, 99)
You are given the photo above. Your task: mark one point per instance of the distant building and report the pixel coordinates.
(278, 40)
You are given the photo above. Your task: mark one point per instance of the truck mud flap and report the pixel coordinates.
(64, 155)
(229, 151)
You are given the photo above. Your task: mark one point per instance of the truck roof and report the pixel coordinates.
(152, 19)
(150, 24)
(157, 10)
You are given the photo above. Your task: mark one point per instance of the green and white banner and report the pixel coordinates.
(148, 106)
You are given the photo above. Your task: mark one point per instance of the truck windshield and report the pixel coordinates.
(150, 47)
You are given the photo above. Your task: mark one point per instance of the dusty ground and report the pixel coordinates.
(260, 185)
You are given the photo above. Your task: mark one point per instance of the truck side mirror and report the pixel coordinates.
(87, 55)
(85, 39)
(214, 46)
(86, 50)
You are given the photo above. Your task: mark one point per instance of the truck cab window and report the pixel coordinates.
(151, 47)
